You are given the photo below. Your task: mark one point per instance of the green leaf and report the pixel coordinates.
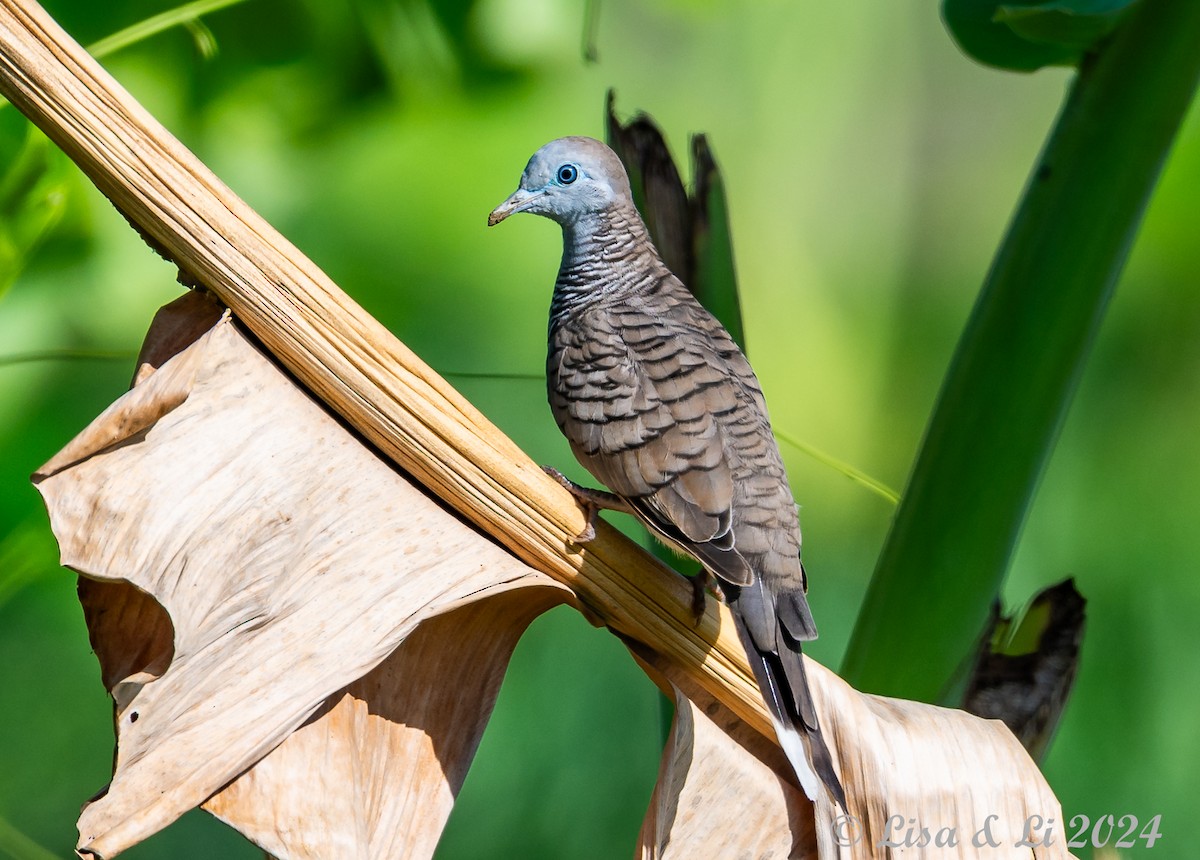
(33, 198)
(16, 845)
(974, 27)
(1074, 24)
(187, 15)
(1021, 355)
(17, 358)
(25, 553)
(202, 36)
(1024, 35)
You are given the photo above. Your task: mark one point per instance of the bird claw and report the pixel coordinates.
(589, 532)
(590, 501)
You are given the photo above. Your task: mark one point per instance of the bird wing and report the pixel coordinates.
(638, 394)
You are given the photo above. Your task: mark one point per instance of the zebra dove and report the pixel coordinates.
(661, 406)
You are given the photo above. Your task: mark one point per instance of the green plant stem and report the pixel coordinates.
(1014, 371)
(15, 844)
(859, 477)
(64, 355)
(179, 16)
(187, 15)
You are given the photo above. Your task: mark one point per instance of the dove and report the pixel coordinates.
(660, 405)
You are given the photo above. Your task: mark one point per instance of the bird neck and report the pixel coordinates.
(606, 255)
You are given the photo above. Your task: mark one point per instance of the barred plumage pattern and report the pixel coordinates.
(660, 405)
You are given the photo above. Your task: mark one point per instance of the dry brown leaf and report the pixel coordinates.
(376, 775)
(906, 766)
(290, 561)
(912, 765)
(724, 790)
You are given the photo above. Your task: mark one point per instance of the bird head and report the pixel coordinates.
(566, 180)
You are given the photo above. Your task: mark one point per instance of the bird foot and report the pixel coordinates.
(702, 584)
(591, 501)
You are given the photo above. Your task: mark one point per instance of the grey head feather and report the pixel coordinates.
(568, 180)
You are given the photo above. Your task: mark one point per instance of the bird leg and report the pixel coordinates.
(591, 501)
(700, 584)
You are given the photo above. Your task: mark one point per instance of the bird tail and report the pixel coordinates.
(784, 686)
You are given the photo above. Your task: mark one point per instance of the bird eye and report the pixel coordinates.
(567, 174)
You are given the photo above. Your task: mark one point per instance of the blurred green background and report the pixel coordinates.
(871, 169)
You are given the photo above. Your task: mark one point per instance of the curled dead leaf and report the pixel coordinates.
(913, 773)
(258, 574)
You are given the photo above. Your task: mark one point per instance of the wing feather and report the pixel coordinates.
(637, 396)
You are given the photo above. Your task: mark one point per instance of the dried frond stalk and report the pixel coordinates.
(347, 358)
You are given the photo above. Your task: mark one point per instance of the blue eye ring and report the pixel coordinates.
(567, 174)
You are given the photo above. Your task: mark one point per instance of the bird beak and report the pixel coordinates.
(518, 202)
